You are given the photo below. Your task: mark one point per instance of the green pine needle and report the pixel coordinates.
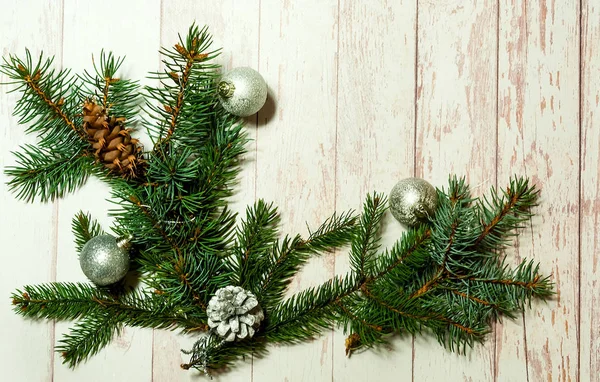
(84, 228)
(118, 95)
(47, 174)
(87, 338)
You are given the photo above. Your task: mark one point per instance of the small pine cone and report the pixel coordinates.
(112, 143)
(235, 313)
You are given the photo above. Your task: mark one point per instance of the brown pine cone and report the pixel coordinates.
(112, 142)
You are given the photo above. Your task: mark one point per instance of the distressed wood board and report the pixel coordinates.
(361, 95)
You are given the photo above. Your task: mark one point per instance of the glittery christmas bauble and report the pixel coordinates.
(234, 313)
(242, 91)
(104, 260)
(413, 201)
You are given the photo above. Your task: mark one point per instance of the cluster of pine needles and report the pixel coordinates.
(447, 277)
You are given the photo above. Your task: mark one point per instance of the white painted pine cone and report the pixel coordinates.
(235, 313)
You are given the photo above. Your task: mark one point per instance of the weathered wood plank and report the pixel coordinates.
(538, 137)
(590, 192)
(26, 346)
(375, 143)
(340, 123)
(296, 151)
(511, 348)
(88, 30)
(234, 26)
(456, 128)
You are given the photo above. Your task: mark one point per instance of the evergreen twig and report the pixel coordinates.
(84, 228)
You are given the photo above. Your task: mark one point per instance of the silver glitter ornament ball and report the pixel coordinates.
(242, 91)
(104, 260)
(413, 201)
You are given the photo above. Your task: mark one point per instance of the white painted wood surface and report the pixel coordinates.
(361, 94)
(455, 128)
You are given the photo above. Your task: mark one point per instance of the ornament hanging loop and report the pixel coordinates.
(125, 241)
(225, 89)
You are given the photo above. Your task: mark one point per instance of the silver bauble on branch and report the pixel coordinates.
(242, 91)
(234, 313)
(104, 259)
(413, 201)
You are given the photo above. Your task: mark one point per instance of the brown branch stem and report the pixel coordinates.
(523, 284)
(177, 108)
(183, 80)
(33, 84)
(472, 298)
(487, 228)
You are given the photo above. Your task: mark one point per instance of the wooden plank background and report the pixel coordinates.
(361, 95)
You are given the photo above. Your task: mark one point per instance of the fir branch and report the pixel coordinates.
(518, 285)
(84, 228)
(217, 355)
(184, 263)
(430, 283)
(47, 99)
(118, 96)
(191, 55)
(427, 319)
(458, 191)
(176, 110)
(450, 232)
(70, 301)
(154, 223)
(255, 236)
(315, 309)
(473, 298)
(406, 256)
(366, 241)
(87, 338)
(198, 182)
(504, 213)
(283, 263)
(34, 85)
(218, 163)
(49, 174)
(289, 255)
(181, 251)
(186, 97)
(336, 231)
(307, 313)
(174, 172)
(354, 317)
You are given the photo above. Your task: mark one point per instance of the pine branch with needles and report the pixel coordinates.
(447, 278)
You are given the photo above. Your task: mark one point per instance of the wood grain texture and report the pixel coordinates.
(589, 330)
(456, 128)
(538, 136)
(25, 261)
(511, 346)
(227, 21)
(375, 143)
(139, 42)
(296, 151)
(361, 95)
